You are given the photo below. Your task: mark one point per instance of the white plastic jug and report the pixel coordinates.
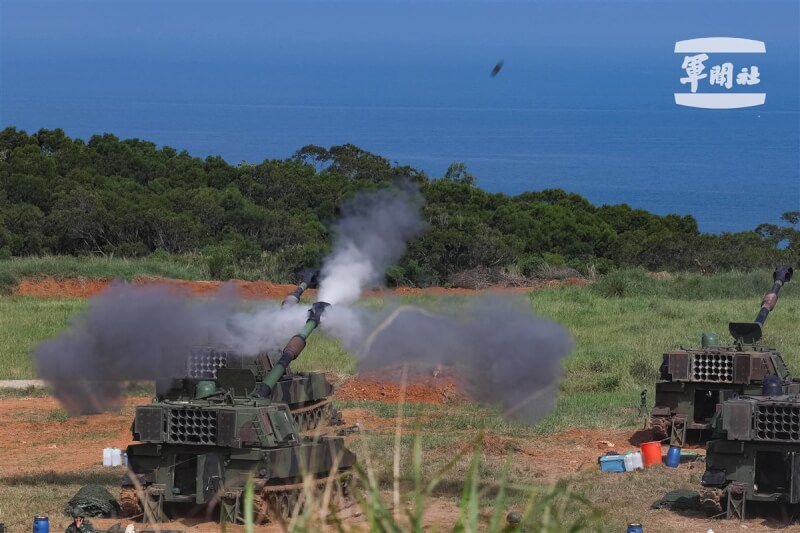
(637, 461)
(116, 457)
(628, 460)
(106, 456)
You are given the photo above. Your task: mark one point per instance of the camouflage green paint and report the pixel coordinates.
(756, 447)
(196, 451)
(693, 382)
(296, 389)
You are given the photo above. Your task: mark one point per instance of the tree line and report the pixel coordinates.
(130, 198)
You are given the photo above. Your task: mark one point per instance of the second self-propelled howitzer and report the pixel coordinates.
(201, 450)
(694, 381)
(755, 454)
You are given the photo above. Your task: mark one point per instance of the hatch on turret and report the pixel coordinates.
(745, 332)
(148, 424)
(237, 381)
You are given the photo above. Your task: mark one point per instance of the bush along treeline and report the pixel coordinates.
(129, 198)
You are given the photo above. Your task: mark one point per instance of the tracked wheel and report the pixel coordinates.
(278, 503)
(711, 499)
(260, 509)
(130, 503)
(320, 414)
(661, 427)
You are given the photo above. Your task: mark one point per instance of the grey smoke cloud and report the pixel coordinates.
(144, 333)
(501, 350)
(371, 236)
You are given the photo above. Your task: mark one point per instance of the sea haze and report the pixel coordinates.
(594, 116)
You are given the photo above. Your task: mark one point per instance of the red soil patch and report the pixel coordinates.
(386, 386)
(34, 437)
(84, 288)
(81, 288)
(369, 421)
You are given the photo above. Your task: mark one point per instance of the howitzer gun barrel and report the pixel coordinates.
(294, 297)
(750, 332)
(295, 346)
(782, 274)
(308, 279)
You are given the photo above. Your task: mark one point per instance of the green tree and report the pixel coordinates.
(10, 139)
(457, 172)
(24, 224)
(31, 160)
(77, 222)
(26, 188)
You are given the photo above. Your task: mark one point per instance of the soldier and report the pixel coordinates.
(514, 520)
(79, 525)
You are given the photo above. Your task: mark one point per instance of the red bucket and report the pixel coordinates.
(651, 453)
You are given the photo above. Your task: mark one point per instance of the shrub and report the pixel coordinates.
(643, 371)
(625, 283)
(220, 262)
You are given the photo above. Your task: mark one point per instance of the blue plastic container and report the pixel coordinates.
(41, 524)
(673, 457)
(612, 463)
(635, 528)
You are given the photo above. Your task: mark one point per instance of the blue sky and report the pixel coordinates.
(235, 26)
(198, 50)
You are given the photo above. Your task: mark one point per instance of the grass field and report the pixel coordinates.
(26, 496)
(621, 325)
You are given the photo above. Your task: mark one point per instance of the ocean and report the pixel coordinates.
(541, 123)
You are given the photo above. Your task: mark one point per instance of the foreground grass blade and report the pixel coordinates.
(248, 504)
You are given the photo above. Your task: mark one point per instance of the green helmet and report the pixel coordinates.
(76, 512)
(204, 389)
(514, 518)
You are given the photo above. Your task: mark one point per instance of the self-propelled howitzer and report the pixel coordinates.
(200, 451)
(694, 381)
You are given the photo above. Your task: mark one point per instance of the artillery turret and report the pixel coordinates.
(308, 394)
(693, 381)
(199, 449)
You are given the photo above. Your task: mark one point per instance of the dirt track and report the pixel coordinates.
(35, 438)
